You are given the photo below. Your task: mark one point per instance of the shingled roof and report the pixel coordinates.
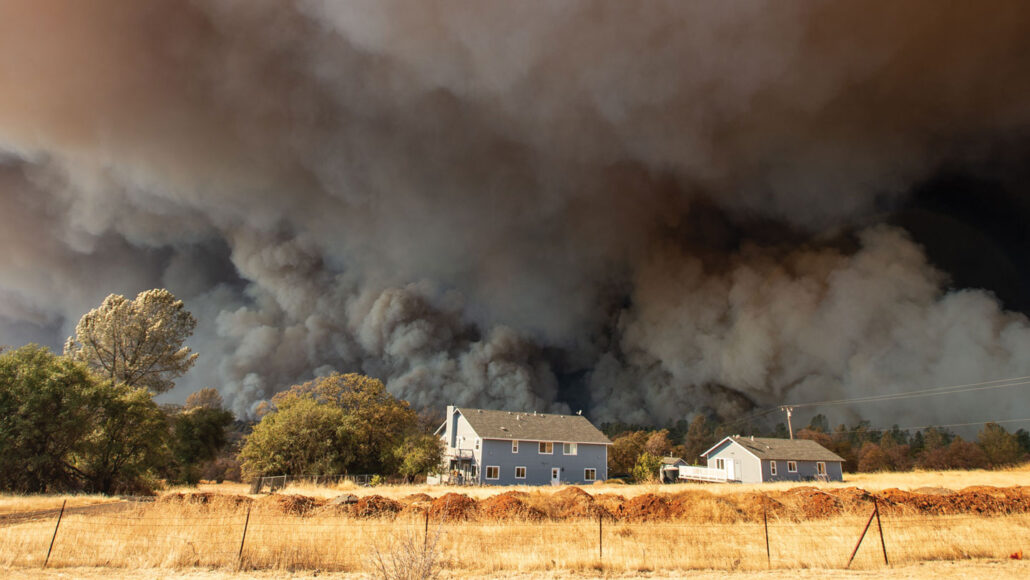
(533, 427)
(784, 449)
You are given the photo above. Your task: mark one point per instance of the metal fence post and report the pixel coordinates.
(51, 548)
(765, 522)
(246, 524)
(862, 537)
(600, 537)
(883, 544)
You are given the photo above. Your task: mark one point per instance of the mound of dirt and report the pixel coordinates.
(573, 502)
(646, 507)
(508, 505)
(293, 505)
(751, 507)
(453, 506)
(811, 502)
(376, 506)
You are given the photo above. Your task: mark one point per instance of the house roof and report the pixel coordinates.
(782, 449)
(532, 426)
(672, 461)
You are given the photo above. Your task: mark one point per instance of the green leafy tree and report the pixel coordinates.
(1001, 447)
(377, 420)
(128, 443)
(300, 437)
(625, 449)
(647, 468)
(136, 342)
(47, 409)
(419, 454)
(198, 435)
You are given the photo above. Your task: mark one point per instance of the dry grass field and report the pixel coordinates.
(703, 529)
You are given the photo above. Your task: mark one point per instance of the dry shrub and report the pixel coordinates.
(611, 502)
(209, 500)
(376, 506)
(453, 506)
(417, 498)
(407, 556)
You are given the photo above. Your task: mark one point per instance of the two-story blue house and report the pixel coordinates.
(516, 448)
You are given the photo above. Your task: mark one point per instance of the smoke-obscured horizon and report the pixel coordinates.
(643, 210)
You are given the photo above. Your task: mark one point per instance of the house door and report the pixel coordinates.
(555, 475)
(729, 470)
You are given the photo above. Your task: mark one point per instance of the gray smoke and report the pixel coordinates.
(498, 203)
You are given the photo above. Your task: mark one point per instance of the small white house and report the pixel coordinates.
(760, 459)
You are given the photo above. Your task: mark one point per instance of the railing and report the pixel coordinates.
(697, 473)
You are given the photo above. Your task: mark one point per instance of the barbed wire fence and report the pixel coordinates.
(248, 537)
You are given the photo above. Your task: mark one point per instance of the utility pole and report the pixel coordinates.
(789, 410)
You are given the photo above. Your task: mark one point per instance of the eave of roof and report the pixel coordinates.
(513, 425)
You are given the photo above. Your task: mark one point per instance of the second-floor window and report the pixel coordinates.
(546, 448)
(569, 448)
(477, 443)
(514, 446)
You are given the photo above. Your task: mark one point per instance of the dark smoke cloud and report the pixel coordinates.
(646, 209)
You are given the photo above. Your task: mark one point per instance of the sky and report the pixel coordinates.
(642, 211)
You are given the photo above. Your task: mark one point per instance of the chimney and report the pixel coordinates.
(452, 426)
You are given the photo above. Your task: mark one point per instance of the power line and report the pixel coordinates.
(999, 421)
(932, 392)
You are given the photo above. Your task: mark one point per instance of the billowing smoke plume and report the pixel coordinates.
(643, 210)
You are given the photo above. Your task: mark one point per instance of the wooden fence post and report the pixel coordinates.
(246, 524)
(600, 537)
(51, 548)
(862, 537)
(425, 541)
(883, 544)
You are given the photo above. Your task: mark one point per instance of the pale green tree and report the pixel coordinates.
(139, 343)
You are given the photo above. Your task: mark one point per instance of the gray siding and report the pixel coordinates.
(746, 467)
(806, 471)
(538, 466)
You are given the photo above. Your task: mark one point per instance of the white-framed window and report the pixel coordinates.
(477, 443)
(515, 446)
(589, 474)
(792, 467)
(546, 448)
(720, 464)
(520, 472)
(493, 472)
(772, 468)
(569, 448)
(820, 467)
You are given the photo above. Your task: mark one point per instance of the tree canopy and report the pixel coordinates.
(341, 423)
(137, 342)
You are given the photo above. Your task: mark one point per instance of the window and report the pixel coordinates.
(820, 467)
(720, 464)
(569, 448)
(493, 472)
(772, 468)
(546, 448)
(515, 446)
(477, 443)
(589, 474)
(520, 473)
(792, 467)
